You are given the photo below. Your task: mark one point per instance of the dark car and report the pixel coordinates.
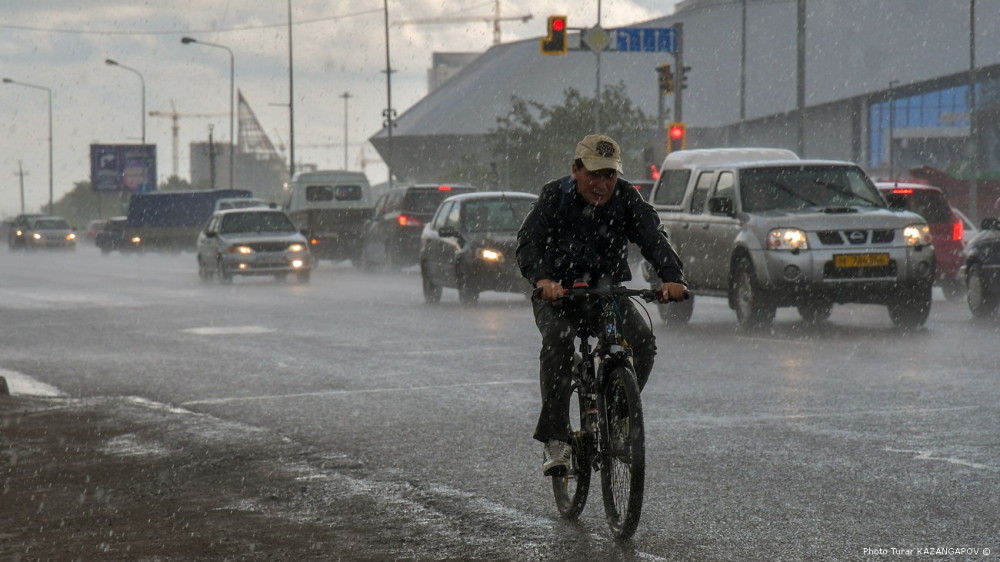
(947, 229)
(113, 237)
(470, 243)
(16, 229)
(392, 235)
(982, 269)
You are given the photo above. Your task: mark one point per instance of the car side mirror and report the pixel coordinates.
(992, 223)
(720, 205)
(211, 234)
(448, 232)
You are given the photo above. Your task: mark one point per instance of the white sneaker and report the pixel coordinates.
(555, 458)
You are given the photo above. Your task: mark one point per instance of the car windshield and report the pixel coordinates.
(51, 224)
(256, 222)
(495, 215)
(804, 187)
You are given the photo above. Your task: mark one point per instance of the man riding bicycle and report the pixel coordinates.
(579, 230)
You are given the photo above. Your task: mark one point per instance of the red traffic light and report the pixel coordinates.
(558, 24)
(676, 137)
(677, 132)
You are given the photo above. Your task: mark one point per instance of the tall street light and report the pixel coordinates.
(142, 81)
(346, 96)
(232, 75)
(49, 91)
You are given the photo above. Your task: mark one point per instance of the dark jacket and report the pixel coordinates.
(566, 239)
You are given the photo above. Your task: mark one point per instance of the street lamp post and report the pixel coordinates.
(142, 81)
(232, 76)
(49, 92)
(346, 96)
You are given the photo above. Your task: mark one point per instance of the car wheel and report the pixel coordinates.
(225, 275)
(912, 309)
(953, 289)
(432, 291)
(815, 311)
(204, 273)
(303, 277)
(753, 309)
(676, 313)
(981, 302)
(467, 291)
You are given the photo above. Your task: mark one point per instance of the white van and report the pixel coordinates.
(330, 207)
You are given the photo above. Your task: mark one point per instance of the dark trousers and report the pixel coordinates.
(558, 325)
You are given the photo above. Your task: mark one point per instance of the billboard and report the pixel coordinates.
(123, 167)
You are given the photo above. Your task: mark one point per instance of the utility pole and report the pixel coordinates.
(973, 145)
(20, 174)
(346, 96)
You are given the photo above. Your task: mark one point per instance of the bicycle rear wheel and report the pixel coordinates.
(570, 490)
(623, 452)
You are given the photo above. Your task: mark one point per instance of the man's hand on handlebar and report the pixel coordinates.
(550, 290)
(673, 292)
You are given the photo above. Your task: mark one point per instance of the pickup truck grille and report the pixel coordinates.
(855, 237)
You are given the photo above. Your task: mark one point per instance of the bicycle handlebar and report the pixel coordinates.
(648, 295)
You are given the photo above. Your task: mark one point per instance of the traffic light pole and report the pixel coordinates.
(679, 84)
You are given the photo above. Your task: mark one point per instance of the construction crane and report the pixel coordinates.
(175, 126)
(496, 18)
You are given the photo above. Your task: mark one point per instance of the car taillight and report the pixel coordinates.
(902, 191)
(958, 231)
(408, 221)
(444, 188)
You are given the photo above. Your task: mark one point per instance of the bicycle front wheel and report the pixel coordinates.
(571, 489)
(623, 451)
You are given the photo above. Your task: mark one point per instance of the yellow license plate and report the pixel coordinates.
(861, 260)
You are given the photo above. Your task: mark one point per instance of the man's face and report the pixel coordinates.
(596, 187)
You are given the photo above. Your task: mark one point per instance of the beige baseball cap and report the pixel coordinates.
(599, 152)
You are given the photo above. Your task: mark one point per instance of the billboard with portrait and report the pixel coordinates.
(123, 167)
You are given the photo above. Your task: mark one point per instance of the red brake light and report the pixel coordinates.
(903, 191)
(653, 172)
(404, 220)
(444, 188)
(958, 231)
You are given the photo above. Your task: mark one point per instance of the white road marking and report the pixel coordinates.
(928, 456)
(229, 330)
(348, 392)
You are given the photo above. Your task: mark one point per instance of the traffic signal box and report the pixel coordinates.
(676, 137)
(555, 43)
(666, 78)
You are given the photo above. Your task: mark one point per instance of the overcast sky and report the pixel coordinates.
(338, 46)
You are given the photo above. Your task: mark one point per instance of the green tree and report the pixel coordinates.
(534, 143)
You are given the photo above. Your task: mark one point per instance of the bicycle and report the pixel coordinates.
(609, 437)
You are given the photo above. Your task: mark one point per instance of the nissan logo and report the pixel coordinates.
(856, 236)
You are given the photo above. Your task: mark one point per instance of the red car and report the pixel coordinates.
(947, 229)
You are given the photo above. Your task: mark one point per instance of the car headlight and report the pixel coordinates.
(490, 255)
(71, 237)
(917, 235)
(240, 250)
(296, 248)
(36, 236)
(136, 240)
(791, 239)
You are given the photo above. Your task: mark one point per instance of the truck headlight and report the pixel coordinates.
(917, 235)
(244, 250)
(791, 239)
(296, 248)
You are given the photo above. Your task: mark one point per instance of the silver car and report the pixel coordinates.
(255, 241)
(48, 232)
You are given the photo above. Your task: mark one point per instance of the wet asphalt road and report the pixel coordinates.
(847, 440)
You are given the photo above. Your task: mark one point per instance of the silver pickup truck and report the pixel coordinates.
(766, 229)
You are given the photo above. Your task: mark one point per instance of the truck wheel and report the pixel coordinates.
(982, 304)
(303, 277)
(676, 313)
(753, 309)
(815, 311)
(911, 310)
(953, 289)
